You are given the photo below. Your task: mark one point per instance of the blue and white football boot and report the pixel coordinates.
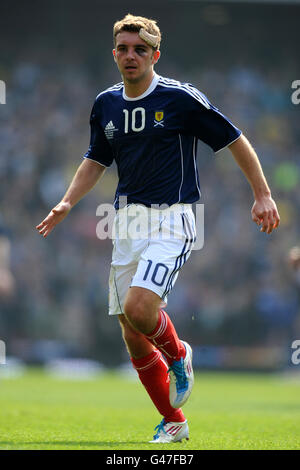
(181, 378)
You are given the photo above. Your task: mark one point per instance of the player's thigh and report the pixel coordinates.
(125, 256)
(119, 282)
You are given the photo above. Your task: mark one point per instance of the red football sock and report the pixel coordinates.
(153, 373)
(164, 338)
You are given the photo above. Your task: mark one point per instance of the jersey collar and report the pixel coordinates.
(146, 93)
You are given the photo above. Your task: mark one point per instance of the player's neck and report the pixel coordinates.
(135, 89)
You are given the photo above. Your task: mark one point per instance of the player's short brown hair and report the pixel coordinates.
(133, 24)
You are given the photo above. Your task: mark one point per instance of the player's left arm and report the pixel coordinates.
(264, 211)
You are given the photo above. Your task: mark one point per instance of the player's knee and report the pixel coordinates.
(135, 312)
(141, 309)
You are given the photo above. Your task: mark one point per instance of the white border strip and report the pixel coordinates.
(229, 144)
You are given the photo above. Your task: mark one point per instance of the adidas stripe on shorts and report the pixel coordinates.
(150, 246)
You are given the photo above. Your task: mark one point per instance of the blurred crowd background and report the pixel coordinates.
(241, 291)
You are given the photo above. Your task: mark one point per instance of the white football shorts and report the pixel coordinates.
(150, 246)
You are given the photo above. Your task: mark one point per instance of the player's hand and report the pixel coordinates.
(265, 213)
(57, 215)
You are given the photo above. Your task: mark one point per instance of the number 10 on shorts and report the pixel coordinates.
(159, 273)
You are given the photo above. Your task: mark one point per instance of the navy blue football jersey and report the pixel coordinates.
(153, 139)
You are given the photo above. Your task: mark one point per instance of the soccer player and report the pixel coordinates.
(149, 125)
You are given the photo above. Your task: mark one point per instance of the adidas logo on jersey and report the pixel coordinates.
(109, 130)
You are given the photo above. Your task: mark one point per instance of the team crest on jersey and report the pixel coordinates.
(159, 119)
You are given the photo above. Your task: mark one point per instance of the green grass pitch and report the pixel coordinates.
(225, 411)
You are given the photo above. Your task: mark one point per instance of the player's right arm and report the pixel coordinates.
(85, 178)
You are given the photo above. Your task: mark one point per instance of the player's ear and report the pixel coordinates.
(114, 54)
(156, 56)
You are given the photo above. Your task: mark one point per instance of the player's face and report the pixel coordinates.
(134, 57)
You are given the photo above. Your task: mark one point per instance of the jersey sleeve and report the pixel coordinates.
(99, 149)
(205, 121)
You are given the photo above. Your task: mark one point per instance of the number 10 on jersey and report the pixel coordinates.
(137, 114)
